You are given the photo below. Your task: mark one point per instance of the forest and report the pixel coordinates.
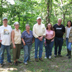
(26, 11)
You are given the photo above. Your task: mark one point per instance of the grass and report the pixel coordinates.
(59, 64)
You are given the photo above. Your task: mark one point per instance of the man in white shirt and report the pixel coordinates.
(5, 32)
(39, 31)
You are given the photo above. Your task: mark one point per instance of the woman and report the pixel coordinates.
(68, 28)
(27, 39)
(50, 34)
(16, 40)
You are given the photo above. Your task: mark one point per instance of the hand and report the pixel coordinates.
(40, 38)
(14, 46)
(24, 43)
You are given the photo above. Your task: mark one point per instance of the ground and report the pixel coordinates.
(59, 64)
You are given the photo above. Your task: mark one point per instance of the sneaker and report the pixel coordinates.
(40, 59)
(26, 63)
(36, 60)
(45, 57)
(49, 57)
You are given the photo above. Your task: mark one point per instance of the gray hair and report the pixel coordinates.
(27, 25)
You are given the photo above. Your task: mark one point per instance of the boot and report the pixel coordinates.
(69, 56)
(67, 52)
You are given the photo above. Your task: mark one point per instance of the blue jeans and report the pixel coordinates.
(69, 46)
(67, 42)
(3, 47)
(49, 49)
(39, 44)
(58, 42)
(27, 49)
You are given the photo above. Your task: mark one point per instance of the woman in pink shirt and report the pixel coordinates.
(50, 34)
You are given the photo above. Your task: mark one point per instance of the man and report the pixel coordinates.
(5, 32)
(59, 31)
(39, 31)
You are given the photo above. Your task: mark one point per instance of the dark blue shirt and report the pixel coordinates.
(28, 38)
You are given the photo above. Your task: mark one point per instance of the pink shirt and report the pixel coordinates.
(49, 34)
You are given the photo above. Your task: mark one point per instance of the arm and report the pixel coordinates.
(12, 37)
(34, 34)
(22, 38)
(23, 41)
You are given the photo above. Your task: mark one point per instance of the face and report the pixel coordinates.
(59, 21)
(27, 28)
(39, 21)
(5, 21)
(17, 26)
(49, 26)
(69, 23)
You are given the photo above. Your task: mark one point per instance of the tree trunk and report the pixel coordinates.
(1, 11)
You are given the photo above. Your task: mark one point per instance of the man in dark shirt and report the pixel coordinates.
(59, 31)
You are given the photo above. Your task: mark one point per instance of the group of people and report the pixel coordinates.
(39, 35)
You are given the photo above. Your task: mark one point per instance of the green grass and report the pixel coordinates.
(59, 64)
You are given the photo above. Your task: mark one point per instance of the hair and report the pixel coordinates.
(51, 26)
(70, 22)
(27, 25)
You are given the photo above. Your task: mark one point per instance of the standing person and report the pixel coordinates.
(39, 31)
(16, 40)
(27, 39)
(67, 32)
(59, 31)
(5, 32)
(50, 34)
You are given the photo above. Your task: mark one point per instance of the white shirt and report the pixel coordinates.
(39, 30)
(68, 32)
(5, 33)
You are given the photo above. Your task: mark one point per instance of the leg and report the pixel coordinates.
(60, 45)
(69, 50)
(67, 45)
(25, 53)
(51, 46)
(41, 48)
(2, 54)
(18, 51)
(29, 50)
(36, 46)
(47, 50)
(8, 54)
(56, 45)
(14, 53)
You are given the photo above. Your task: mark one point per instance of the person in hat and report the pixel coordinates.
(16, 40)
(5, 32)
(39, 31)
(27, 39)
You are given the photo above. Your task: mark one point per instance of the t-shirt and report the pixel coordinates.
(28, 38)
(59, 30)
(5, 33)
(68, 32)
(49, 34)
